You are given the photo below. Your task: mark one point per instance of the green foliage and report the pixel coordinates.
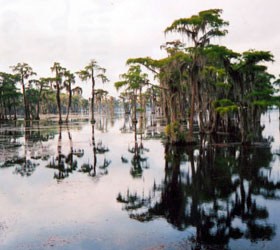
(23, 70)
(253, 57)
(222, 103)
(147, 62)
(264, 103)
(227, 109)
(120, 84)
(58, 70)
(224, 106)
(200, 28)
(89, 72)
(218, 52)
(8, 89)
(84, 75)
(223, 85)
(175, 133)
(134, 79)
(103, 78)
(140, 110)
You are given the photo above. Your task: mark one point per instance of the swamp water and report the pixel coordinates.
(84, 187)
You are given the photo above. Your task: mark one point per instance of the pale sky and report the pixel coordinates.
(72, 32)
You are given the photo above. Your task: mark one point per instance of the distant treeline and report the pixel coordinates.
(22, 93)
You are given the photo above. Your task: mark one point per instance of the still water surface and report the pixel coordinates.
(84, 187)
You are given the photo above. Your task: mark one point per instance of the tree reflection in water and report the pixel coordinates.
(127, 126)
(138, 161)
(215, 190)
(25, 148)
(91, 168)
(100, 149)
(26, 162)
(65, 164)
(212, 189)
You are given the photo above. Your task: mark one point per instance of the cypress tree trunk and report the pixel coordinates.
(5, 111)
(94, 151)
(190, 134)
(58, 96)
(9, 109)
(199, 111)
(15, 110)
(69, 101)
(58, 103)
(134, 106)
(37, 111)
(243, 124)
(92, 96)
(153, 102)
(26, 109)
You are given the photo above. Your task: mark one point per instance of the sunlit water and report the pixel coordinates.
(79, 187)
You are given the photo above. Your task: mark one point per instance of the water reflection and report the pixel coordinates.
(22, 147)
(102, 123)
(211, 195)
(127, 125)
(100, 149)
(138, 161)
(213, 189)
(88, 168)
(97, 149)
(27, 147)
(65, 164)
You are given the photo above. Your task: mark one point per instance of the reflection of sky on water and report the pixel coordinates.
(272, 128)
(38, 210)
(80, 211)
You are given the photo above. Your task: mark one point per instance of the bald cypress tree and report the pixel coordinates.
(91, 72)
(59, 73)
(199, 29)
(24, 71)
